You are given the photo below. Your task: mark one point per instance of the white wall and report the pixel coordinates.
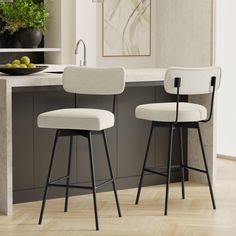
(225, 57)
(184, 33)
(68, 32)
(69, 21)
(52, 37)
(61, 31)
(86, 29)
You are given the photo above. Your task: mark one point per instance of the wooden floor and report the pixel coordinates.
(193, 216)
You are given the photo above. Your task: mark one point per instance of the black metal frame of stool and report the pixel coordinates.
(54, 183)
(173, 126)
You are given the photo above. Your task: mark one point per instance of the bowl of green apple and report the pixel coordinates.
(22, 66)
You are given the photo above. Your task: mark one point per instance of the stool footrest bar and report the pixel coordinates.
(196, 169)
(54, 184)
(154, 172)
(70, 186)
(104, 183)
(58, 180)
(162, 170)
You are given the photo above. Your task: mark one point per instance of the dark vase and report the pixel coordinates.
(2, 37)
(29, 37)
(2, 41)
(11, 40)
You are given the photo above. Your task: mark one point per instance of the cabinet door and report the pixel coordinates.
(101, 167)
(133, 133)
(44, 138)
(23, 154)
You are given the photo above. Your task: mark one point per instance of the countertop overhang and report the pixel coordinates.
(134, 77)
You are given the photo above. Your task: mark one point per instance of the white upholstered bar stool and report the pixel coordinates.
(84, 122)
(178, 115)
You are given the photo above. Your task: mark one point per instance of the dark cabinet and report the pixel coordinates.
(23, 145)
(127, 141)
(133, 133)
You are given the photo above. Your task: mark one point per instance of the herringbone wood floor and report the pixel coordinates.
(193, 216)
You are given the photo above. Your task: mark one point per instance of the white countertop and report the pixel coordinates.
(50, 79)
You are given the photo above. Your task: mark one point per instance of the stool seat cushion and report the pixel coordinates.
(166, 112)
(77, 118)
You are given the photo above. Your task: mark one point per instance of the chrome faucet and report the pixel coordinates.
(77, 51)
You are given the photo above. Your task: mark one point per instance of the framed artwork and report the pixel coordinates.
(126, 28)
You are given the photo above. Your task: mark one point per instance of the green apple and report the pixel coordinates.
(16, 62)
(23, 66)
(31, 65)
(15, 66)
(25, 60)
(8, 65)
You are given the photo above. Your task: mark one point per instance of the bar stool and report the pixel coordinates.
(84, 122)
(179, 115)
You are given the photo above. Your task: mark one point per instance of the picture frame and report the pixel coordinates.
(126, 28)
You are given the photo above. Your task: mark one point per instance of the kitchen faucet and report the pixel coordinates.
(77, 51)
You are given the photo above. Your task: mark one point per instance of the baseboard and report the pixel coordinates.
(222, 156)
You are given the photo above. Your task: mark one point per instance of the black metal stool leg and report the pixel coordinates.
(182, 160)
(206, 168)
(169, 168)
(144, 165)
(48, 178)
(111, 173)
(93, 180)
(68, 175)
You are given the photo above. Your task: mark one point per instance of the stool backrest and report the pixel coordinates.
(193, 80)
(94, 81)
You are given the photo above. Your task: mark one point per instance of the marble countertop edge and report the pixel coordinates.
(53, 79)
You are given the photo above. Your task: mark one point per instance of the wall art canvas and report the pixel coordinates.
(126, 28)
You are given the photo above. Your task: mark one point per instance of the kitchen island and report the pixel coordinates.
(27, 148)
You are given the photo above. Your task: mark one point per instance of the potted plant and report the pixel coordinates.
(26, 19)
(7, 39)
